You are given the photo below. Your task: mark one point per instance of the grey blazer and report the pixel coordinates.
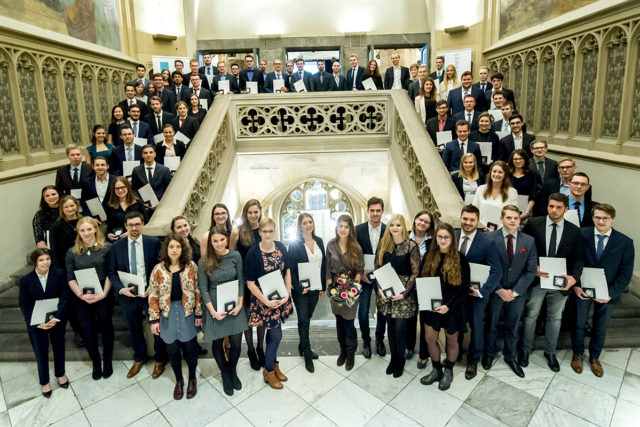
(520, 274)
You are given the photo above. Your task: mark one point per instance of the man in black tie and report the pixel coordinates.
(517, 139)
(483, 84)
(157, 118)
(469, 113)
(276, 74)
(130, 93)
(150, 172)
(320, 82)
(181, 91)
(355, 74)
(438, 74)
(127, 152)
(262, 65)
(544, 167)
(69, 177)
(454, 150)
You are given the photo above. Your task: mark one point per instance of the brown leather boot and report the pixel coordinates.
(270, 378)
(278, 372)
(178, 390)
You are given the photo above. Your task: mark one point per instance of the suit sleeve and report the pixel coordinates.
(25, 302)
(446, 156)
(576, 264)
(495, 269)
(65, 295)
(624, 272)
(112, 270)
(529, 272)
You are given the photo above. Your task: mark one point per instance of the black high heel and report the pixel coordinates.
(64, 385)
(47, 394)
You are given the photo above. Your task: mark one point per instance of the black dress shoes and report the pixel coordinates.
(380, 348)
(366, 350)
(523, 358)
(487, 362)
(515, 368)
(552, 362)
(471, 371)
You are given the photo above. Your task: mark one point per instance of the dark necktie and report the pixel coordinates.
(576, 205)
(149, 175)
(300, 74)
(278, 76)
(133, 262)
(469, 117)
(76, 179)
(463, 247)
(482, 86)
(321, 77)
(552, 242)
(462, 147)
(208, 70)
(178, 91)
(159, 123)
(541, 169)
(181, 123)
(600, 247)
(510, 248)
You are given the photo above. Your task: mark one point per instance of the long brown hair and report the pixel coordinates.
(245, 232)
(353, 261)
(227, 224)
(431, 95)
(451, 266)
(213, 261)
(114, 200)
(65, 199)
(387, 243)
(506, 182)
(185, 256)
(79, 246)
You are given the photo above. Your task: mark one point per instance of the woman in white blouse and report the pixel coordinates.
(449, 82)
(468, 178)
(496, 193)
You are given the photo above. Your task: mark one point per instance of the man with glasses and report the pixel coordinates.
(612, 251)
(566, 168)
(544, 167)
(578, 187)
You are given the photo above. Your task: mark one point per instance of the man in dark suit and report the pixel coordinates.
(203, 94)
(613, 252)
(207, 69)
(483, 84)
(69, 177)
(396, 77)
(496, 82)
(140, 129)
(516, 139)
(454, 150)
(503, 124)
(469, 113)
(320, 81)
(128, 151)
(137, 255)
(566, 168)
(438, 74)
(540, 164)
(578, 187)
(276, 74)
(355, 74)
(222, 76)
(141, 72)
(250, 74)
(194, 65)
(457, 96)
(300, 74)
(478, 249)
(99, 185)
(186, 124)
(158, 117)
(167, 96)
(518, 263)
(555, 238)
(414, 88)
(262, 65)
(150, 172)
(441, 123)
(337, 80)
(369, 234)
(130, 92)
(181, 91)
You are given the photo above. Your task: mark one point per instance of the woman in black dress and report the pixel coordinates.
(122, 201)
(307, 248)
(523, 179)
(63, 232)
(117, 118)
(195, 110)
(444, 261)
(372, 71)
(46, 215)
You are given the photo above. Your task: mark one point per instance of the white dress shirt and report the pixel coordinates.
(374, 235)
(102, 187)
(470, 236)
(314, 257)
(517, 141)
(549, 230)
(397, 75)
(43, 280)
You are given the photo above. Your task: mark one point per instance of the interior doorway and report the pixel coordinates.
(311, 58)
(408, 56)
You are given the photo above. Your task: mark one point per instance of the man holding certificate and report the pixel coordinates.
(610, 253)
(558, 241)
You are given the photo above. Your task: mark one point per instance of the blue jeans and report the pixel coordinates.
(555, 306)
(363, 314)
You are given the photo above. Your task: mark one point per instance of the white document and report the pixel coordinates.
(502, 133)
(172, 162)
(88, 279)
(369, 84)
(429, 292)
(226, 296)
(553, 266)
(252, 87)
(272, 285)
(140, 141)
(129, 279)
(468, 199)
(97, 209)
(300, 87)
(479, 274)
(148, 195)
(523, 201)
(158, 137)
(369, 262)
(204, 104)
(309, 276)
(389, 281)
(128, 165)
(44, 310)
(182, 137)
(77, 193)
(485, 151)
(496, 114)
(572, 217)
(594, 279)
(223, 86)
(443, 137)
(492, 214)
(278, 85)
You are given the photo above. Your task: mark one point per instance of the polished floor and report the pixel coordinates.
(333, 396)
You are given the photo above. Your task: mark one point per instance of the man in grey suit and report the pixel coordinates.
(518, 260)
(276, 74)
(150, 172)
(546, 168)
(300, 74)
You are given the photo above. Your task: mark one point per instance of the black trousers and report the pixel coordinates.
(190, 350)
(397, 336)
(93, 318)
(512, 313)
(347, 335)
(40, 342)
(135, 310)
(305, 305)
(601, 316)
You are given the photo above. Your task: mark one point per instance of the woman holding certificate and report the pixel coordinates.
(93, 307)
(468, 178)
(345, 265)
(491, 197)
(62, 233)
(220, 268)
(397, 249)
(175, 310)
(526, 182)
(122, 202)
(170, 147)
(270, 310)
(307, 249)
(445, 262)
(45, 283)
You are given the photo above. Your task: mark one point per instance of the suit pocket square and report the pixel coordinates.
(523, 251)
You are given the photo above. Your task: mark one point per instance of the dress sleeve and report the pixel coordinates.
(250, 268)
(414, 259)
(203, 283)
(155, 281)
(239, 273)
(38, 231)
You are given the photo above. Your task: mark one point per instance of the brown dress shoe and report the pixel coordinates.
(596, 368)
(135, 369)
(158, 369)
(177, 391)
(279, 375)
(192, 388)
(576, 363)
(270, 378)
(471, 371)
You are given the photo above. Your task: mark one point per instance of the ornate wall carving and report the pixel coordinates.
(116, 89)
(87, 95)
(50, 78)
(548, 65)
(104, 97)
(588, 84)
(504, 69)
(635, 118)
(532, 85)
(71, 93)
(26, 68)
(9, 135)
(616, 62)
(516, 64)
(567, 57)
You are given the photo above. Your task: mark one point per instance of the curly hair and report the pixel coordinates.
(185, 256)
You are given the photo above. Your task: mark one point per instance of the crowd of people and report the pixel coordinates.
(527, 210)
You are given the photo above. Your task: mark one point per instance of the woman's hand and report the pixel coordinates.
(236, 310)
(50, 324)
(155, 328)
(219, 315)
(275, 303)
(397, 297)
(320, 294)
(90, 298)
(384, 299)
(443, 309)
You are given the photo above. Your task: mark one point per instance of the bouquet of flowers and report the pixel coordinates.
(345, 290)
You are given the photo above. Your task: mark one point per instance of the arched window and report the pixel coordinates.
(324, 201)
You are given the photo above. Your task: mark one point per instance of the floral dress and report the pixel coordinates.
(405, 260)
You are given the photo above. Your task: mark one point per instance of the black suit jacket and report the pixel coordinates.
(569, 246)
(203, 78)
(159, 181)
(118, 156)
(89, 192)
(316, 86)
(414, 90)
(359, 77)
(31, 291)
(455, 100)
(118, 259)
(587, 218)
(150, 119)
(388, 77)
(179, 147)
(169, 100)
(268, 83)
(181, 94)
(144, 109)
(202, 94)
(362, 234)
(243, 78)
(214, 70)
(233, 84)
(64, 183)
(616, 260)
(144, 131)
(462, 115)
(432, 128)
(341, 85)
(507, 146)
(481, 103)
(508, 95)
(434, 76)
(189, 128)
(550, 169)
(306, 78)
(550, 187)
(296, 254)
(451, 155)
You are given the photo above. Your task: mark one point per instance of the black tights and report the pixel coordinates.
(248, 336)
(190, 350)
(235, 341)
(452, 347)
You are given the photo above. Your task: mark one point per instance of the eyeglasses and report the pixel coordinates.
(602, 218)
(119, 188)
(220, 214)
(565, 167)
(443, 237)
(136, 225)
(579, 184)
(268, 231)
(538, 148)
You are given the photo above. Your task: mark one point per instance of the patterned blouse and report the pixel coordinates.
(160, 291)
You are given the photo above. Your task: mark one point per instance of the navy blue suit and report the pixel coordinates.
(29, 292)
(359, 76)
(451, 155)
(455, 100)
(462, 115)
(118, 157)
(617, 262)
(480, 251)
(134, 308)
(144, 130)
(89, 192)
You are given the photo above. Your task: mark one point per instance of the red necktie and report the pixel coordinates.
(510, 248)
(181, 123)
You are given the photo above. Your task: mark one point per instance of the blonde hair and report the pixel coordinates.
(79, 247)
(444, 86)
(387, 243)
(474, 175)
(266, 221)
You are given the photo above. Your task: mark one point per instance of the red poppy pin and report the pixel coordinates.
(523, 251)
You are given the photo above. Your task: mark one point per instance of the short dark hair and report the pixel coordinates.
(168, 125)
(93, 160)
(156, 75)
(43, 203)
(140, 66)
(513, 208)
(442, 101)
(319, 61)
(132, 106)
(499, 92)
(125, 126)
(126, 85)
(559, 197)
(540, 141)
(440, 57)
(462, 123)
(466, 73)
(156, 98)
(178, 60)
(498, 75)
(153, 147)
(582, 174)
(469, 96)
(516, 116)
(299, 59)
(605, 207)
(470, 209)
(132, 215)
(176, 73)
(33, 258)
(508, 103)
(375, 201)
(248, 56)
